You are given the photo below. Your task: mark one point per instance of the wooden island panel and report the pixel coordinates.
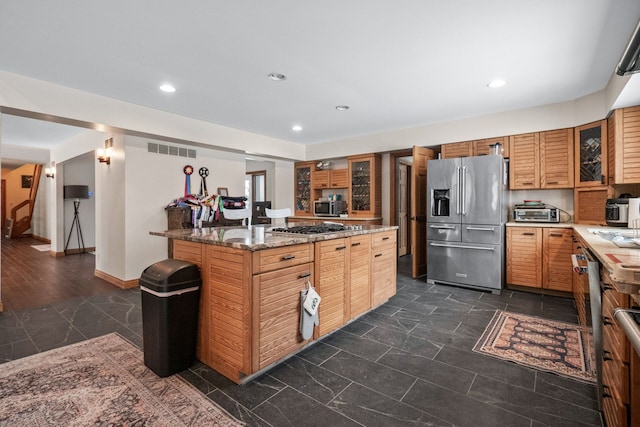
(359, 271)
(331, 271)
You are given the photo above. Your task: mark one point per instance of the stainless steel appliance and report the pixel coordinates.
(617, 212)
(466, 213)
(329, 207)
(535, 213)
(586, 263)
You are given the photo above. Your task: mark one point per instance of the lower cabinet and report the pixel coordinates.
(540, 257)
(331, 275)
(581, 291)
(277, 327)
(359, 291)
(383, 267)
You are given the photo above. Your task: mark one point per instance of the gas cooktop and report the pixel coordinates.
(310, 229)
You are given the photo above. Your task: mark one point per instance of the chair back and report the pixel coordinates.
(278, 213)
(238, 214)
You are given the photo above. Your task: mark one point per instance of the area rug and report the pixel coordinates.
(102, 381)
(562, 348)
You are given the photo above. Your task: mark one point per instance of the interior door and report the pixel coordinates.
(419, 209)
(403, 205)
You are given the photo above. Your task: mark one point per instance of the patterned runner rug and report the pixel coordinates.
(102, 381)
(562, 348)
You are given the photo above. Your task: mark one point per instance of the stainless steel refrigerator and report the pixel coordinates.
(466, 213)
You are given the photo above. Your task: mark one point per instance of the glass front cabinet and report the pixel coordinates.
(591, 154)
(365, 177)
(303, 187)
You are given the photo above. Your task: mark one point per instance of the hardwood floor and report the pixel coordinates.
(33, 278)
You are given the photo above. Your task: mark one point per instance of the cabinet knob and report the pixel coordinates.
(303, 275)
(288, 257)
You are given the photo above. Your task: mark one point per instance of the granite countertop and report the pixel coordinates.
(258, 237)
(540, 224)
(622, 263)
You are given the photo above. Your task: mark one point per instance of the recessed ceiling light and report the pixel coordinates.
(296, 128)
(276, 76)
(496, 83)
(167, 88)
(342, 107)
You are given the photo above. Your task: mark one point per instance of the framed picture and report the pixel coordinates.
(223, 191)
(26, 181)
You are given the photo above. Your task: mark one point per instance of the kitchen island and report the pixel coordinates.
(252, 277)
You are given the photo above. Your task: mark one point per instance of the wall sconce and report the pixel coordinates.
(49, 172)
(104, 155)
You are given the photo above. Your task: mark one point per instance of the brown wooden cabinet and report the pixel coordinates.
(557, 270)
(365, 185)
(589, 204)
(581, 290)
(331, 280)
(326, 179)
(303, 186)
(540, 257)
(481, 147)
(457, 149)
(524, 167)
(383, 266)
(556, 159)
(624, 146)
(541, 160)
(524, 246)
(591, 153)
(359, 275)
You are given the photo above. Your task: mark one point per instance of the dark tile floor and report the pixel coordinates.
(409, 362)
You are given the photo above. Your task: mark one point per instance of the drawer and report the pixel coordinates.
(278, 258)
(615, 379)
(615, 412)
(491, 234)
(360, 245)
(385, 239)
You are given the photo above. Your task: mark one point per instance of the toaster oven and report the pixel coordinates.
(536, 214)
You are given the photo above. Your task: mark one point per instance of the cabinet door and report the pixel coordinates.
(331, 277)
(302, 188)
(481, 147)
(457, 149)
(320, 179)
(557, 269)
(591, 154)
(383, 266)
(359, 288)
(589, 204)
(524, 168)
(581, 290)
(339, 178)
(524, 256)
(556, 159)
(624, 146)
(365, 190)
(277, 327)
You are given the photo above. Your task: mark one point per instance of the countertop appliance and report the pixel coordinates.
(535, 213)
(617, 212)
(329, 207)
(466, 212)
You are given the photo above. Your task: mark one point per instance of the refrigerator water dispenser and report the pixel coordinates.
(441, 201)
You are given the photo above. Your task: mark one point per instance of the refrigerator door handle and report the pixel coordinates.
(464, 190)
(479, 248)
(458, 202)
(442, 227)
(480, 228)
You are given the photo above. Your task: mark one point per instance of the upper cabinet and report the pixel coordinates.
(457, 149)
(591, 154)
(335, 178)
(524, 167)
(482, 147)
(303, 187)
(556, 158)
(365, 185)
(541, 160)
(624, 146)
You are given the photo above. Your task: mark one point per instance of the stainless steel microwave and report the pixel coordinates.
(329, 207)
(545, 214)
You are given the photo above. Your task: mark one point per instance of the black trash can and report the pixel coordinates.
(170, 298)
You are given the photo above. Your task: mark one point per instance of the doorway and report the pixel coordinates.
(404, 207)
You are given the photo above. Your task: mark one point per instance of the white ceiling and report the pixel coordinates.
(397, 64)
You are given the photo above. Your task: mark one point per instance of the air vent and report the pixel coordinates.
(170, 150)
